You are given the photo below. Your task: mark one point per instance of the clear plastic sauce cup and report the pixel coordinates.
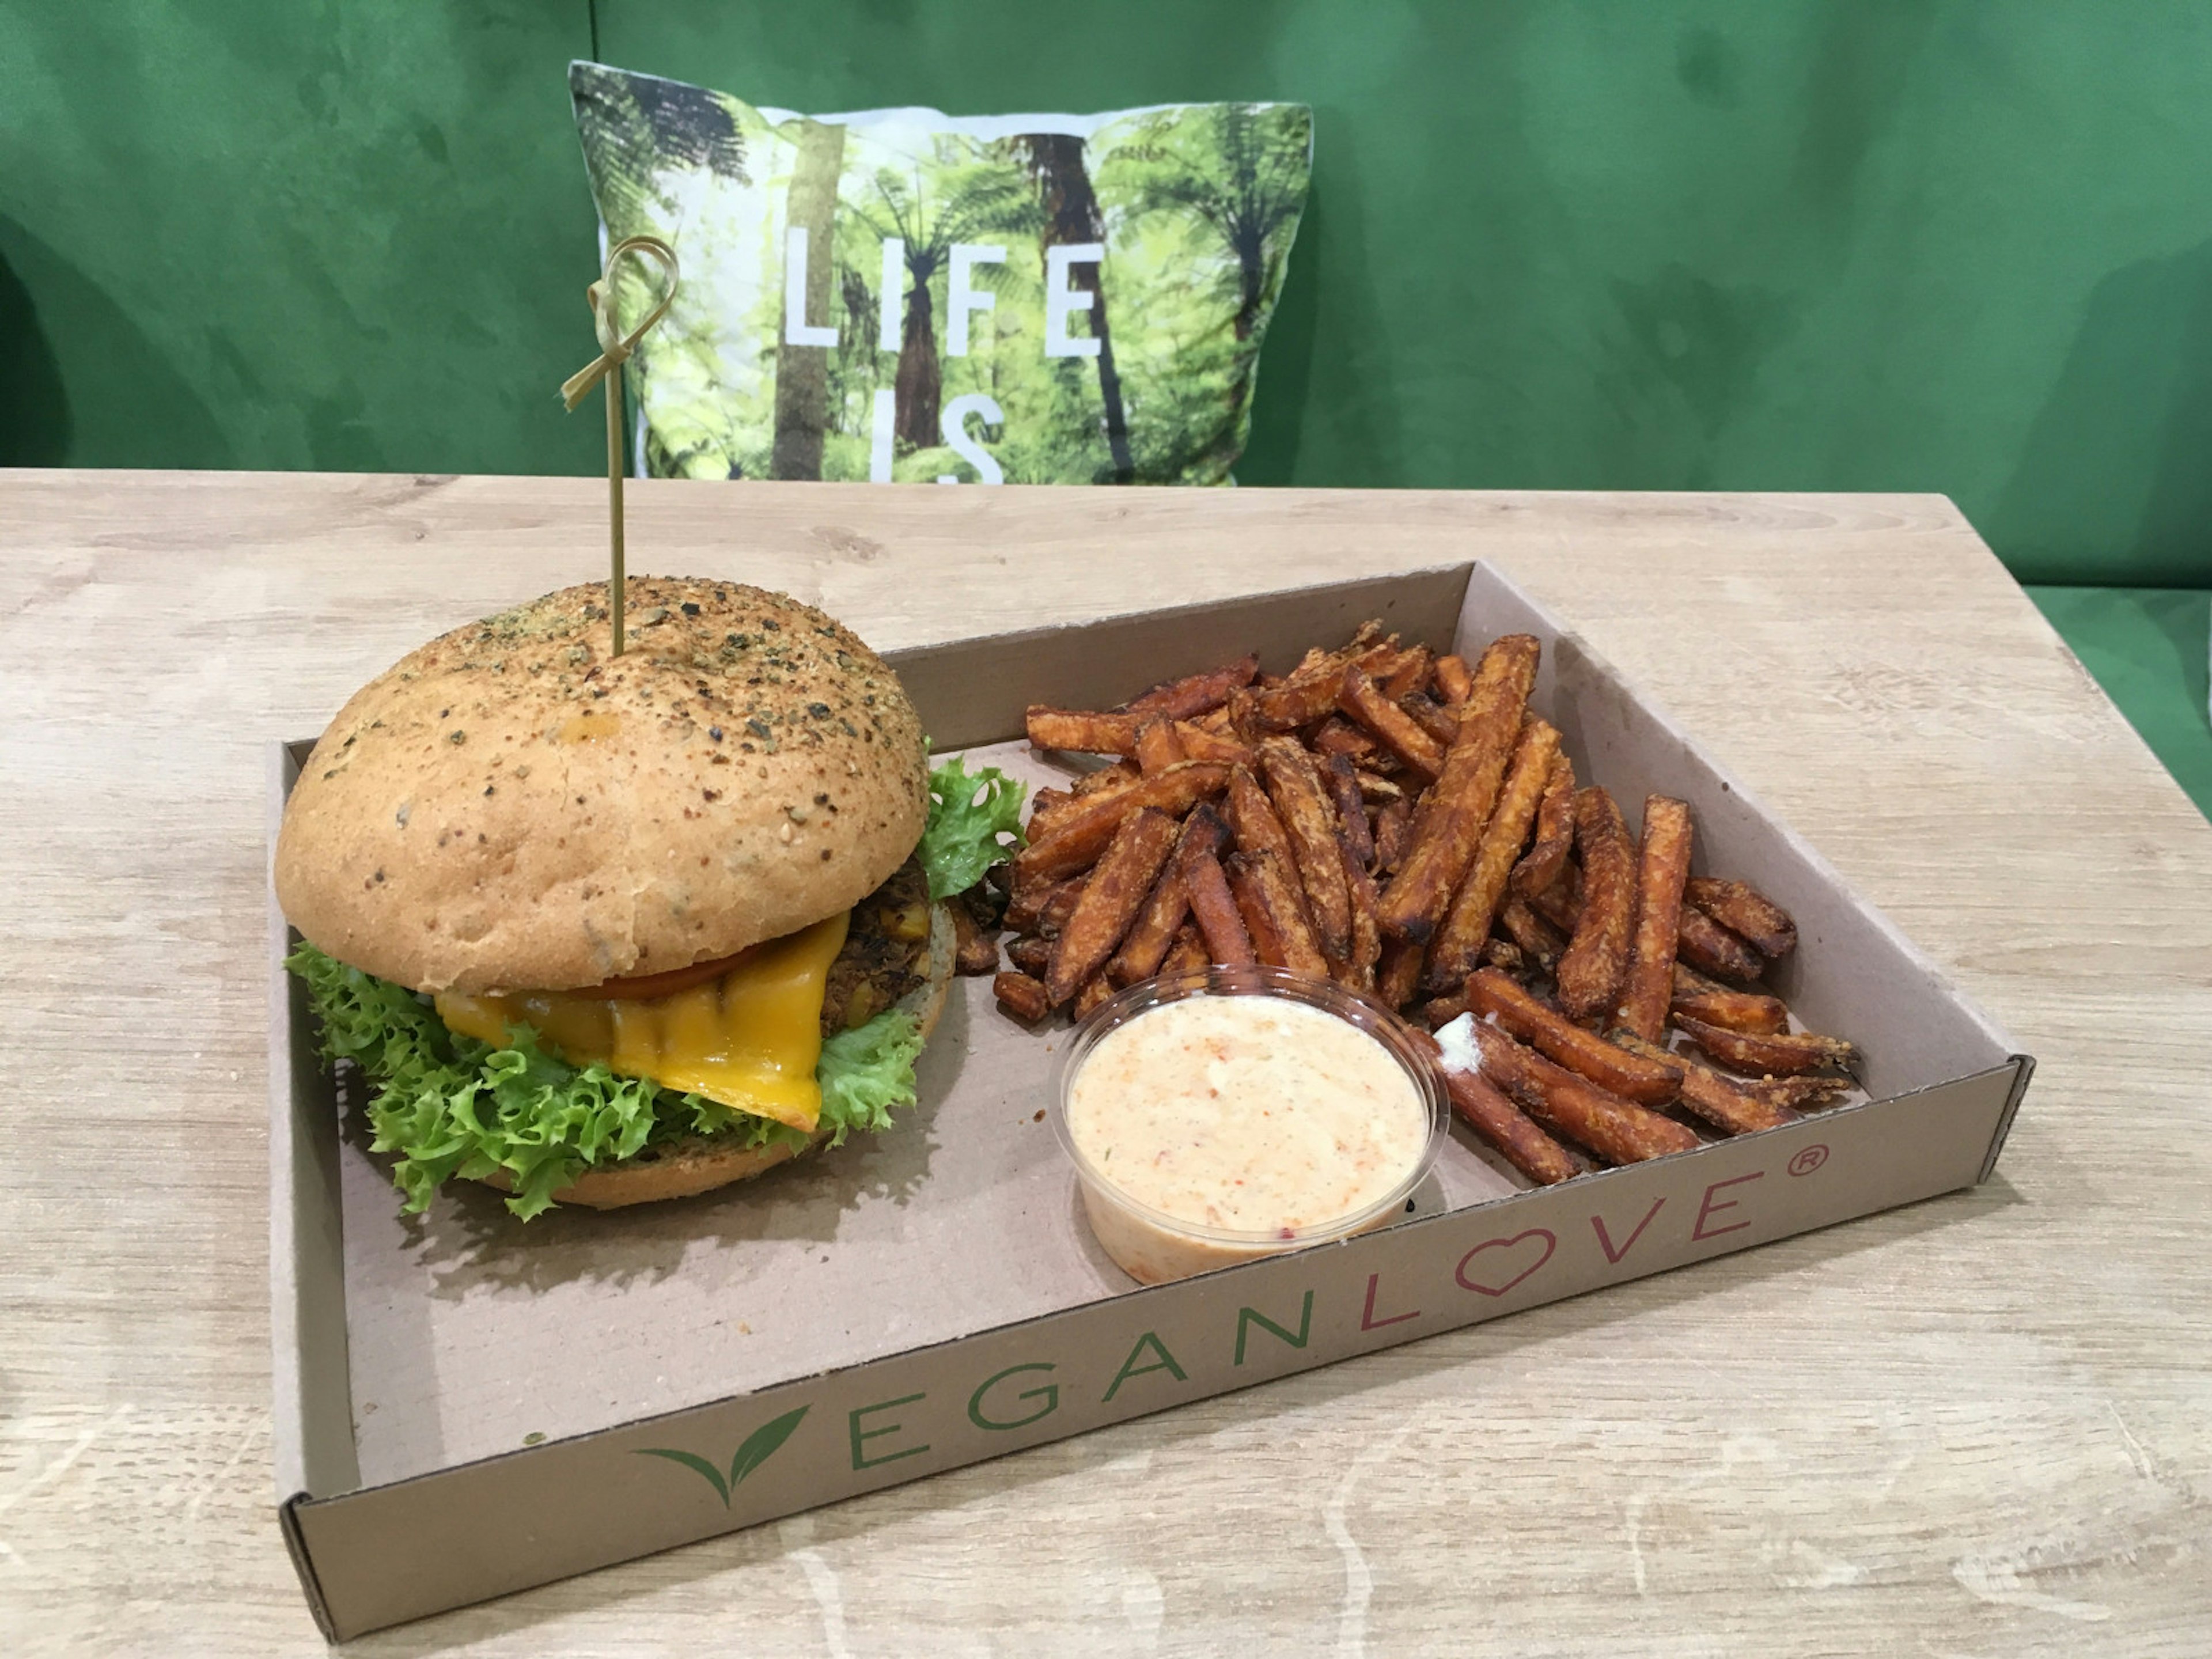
(1277, 1112)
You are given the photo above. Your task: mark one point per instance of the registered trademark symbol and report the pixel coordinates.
(1809, 1160)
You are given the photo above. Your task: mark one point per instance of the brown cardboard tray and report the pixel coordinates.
(466, 1406)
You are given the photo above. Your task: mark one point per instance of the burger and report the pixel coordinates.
(602, 929)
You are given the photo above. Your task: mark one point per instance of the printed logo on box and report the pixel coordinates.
(762, 1443)
(1019, 1395)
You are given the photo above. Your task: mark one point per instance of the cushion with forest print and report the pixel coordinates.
(903, 295)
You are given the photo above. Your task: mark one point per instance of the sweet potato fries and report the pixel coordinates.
(1404, 824)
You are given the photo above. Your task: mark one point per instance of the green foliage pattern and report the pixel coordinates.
(1196, 205)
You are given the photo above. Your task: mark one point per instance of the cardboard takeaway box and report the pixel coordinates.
(466, 1406)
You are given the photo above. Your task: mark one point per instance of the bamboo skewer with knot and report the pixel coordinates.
(615, 348)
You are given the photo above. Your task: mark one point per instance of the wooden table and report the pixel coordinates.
(1981, 1425)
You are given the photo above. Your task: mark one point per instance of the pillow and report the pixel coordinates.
(902, 295)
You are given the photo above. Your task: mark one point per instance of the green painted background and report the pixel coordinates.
(1952, 245)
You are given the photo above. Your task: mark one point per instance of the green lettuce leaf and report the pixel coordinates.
(449, 1106)
(967, 817)
(865, 1072)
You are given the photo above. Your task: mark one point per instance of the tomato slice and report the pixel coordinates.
(647, 987)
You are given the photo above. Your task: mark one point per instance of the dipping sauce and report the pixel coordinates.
(1264, 1118)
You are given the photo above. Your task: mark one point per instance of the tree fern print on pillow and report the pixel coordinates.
(898, 295)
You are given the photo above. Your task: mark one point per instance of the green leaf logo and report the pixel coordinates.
(762, 1443)
(693, 1461)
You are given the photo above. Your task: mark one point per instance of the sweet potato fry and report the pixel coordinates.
(1454, 681)
(1187, 955)
(1268, 899)
(1033, 901)
(1721, 1101)
(1783, 1054)
(1711, 948)
(1391, 825)
(1590, 972)
(1808, 1092)
(1357, 835)
(1399, 734)
(1750, 1011)
(1110, 902)
(1409, 674)
(1297, 699)
(1479, 1104)
(1379, 791)
(1302, 805)
(1663, 864)
(1617, 1130)
(1483, 1107)
(1639, 1078)
(1048, 807)
(1448, 824)
(1541, 942)
(1259, 921)
(1383, 663)
(1151, 934)
(1555, 833)
(1357, 970)
(1059, 906)
(1020, 995)
(1439, 1012)
(1195, 694)
(1507, 958)
(973, 951)
(1294, 703)
(1367, 647)
(1338, 736)
(1432, 716)
(1561, 904)
(1103, 778)
(1157, 746)
(1748, 912)
(1080, 833)
(1213, 907)
(1083, 731)
(1256, 828)
(1201, 745)
(1688, 981)
(1455, 950)
(1205, 830)
(1031, 956)
(1094, 991)
(1398, 974)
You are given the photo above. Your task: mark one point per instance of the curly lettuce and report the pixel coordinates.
(967, 818)
(447, 1105)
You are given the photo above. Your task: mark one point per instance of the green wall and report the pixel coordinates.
(1827, 244)
(280, 233)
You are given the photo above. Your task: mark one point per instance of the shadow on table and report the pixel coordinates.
(1483, 1344)
(466, 1243)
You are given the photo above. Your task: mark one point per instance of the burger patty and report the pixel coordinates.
(887, 951)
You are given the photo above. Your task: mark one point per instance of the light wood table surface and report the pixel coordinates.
(1982, 1425)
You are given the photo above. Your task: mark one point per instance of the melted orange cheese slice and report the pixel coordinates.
(750, 1039)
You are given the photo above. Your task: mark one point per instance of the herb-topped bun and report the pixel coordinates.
(513, 806)
(603, 929)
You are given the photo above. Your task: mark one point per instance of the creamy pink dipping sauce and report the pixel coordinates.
(1251, 1113)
